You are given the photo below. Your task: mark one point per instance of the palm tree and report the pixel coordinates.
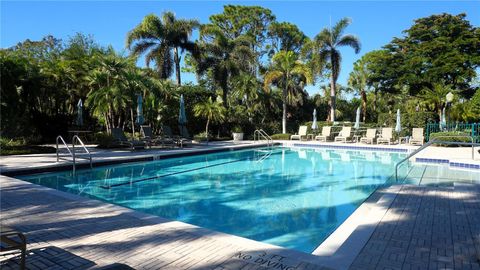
(110, 95)
(358, 81)
(212, 110)
(436, 96)
(223, 57)
(162, 40)
(327, 44)
(290, 74)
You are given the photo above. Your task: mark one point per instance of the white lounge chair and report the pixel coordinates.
(386, 136)
(326, 133)
(417, 137)
(344, 135)
(370, 136)
(302, 133)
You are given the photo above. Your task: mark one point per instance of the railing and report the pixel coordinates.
(72, 152)
(473, 129)
(436, 140)
(261, 132)
(75, 138)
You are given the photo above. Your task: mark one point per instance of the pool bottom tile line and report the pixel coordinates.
(174, 173)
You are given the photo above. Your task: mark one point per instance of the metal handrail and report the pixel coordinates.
(436, 140)
(89, 158)
(72, 154)
(260, 132)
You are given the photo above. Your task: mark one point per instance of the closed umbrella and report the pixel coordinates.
(443, 121)
(314, 123)
(79, 120)
(398, 127)
(182, 117)
(357, 119)
(140, 120)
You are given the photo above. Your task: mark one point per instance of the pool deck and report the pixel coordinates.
(400, 227)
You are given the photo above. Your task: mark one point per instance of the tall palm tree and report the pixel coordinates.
(163, 40)
(327, 44)
(358, 81)
(223, 57)
(212, 110)
(290, 74)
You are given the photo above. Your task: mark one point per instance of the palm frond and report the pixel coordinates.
(351, 41)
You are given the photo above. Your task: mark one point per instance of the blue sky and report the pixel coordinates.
(374, 22)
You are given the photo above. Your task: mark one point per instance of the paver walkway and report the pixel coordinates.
(79, 234)
(427, 228)
(424, 228)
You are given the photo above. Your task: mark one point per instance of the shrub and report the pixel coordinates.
(450, 136)
(281, 136)
(21, 147)
(104, 140)
(200, 137)
(237, 129)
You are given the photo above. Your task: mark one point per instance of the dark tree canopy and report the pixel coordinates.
(285, 36)
(441, 47)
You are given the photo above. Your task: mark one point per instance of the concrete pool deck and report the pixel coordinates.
(66, 231)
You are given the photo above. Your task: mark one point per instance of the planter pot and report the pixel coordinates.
(237, 136)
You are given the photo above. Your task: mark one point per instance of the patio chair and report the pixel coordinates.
(386, 136)
(344, 135)
(326, 133)
(150, 139)
(302, 133)
(370, 136)
(417, 137)
(168, 135)
(121, 139)
(13, 240)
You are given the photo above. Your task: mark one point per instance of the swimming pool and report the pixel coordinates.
(291, 197)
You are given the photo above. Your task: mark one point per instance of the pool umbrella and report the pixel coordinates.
(443, 121)
(357, 119)
(398, 127)
(314, 123)
(182, 117)
(79, 120)
(140, 118)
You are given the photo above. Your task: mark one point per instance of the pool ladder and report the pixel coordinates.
(72, 152)
(261, 133)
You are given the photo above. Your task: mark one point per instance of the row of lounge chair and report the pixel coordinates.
(148, 139)
(386, 135)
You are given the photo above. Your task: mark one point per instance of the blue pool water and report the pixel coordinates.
(284, 196)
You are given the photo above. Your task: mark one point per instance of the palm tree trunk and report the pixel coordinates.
(284, 113)
(133, 123)
(177, 65)
(332, 98)
(206, 128)
(364, 104)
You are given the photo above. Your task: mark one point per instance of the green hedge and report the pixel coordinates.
(22, 147)
(441, 136)
(281, 136)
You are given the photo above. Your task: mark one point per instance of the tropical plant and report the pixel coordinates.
(435, 97)
(289, 74)
(112, 92)
(213, 111)
(163, 40)
(222, 58)
(358, 81)
(326, 46)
